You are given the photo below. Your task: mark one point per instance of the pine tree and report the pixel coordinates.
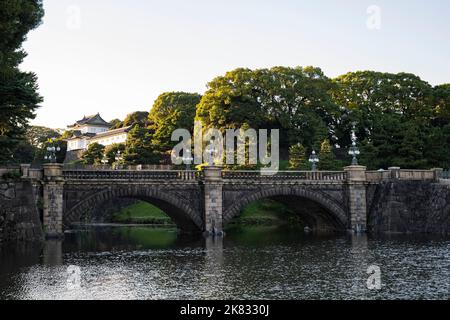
(93, 154)
(139, 148)
(327, 158)
(297, 157)
(19, 96)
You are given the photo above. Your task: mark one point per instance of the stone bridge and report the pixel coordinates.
(205, 201)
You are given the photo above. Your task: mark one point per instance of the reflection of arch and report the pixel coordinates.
(336, 214)
(175, 207)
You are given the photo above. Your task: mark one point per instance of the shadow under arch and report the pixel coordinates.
(316, 209)
(179, 210)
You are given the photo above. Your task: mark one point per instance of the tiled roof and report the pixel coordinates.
(112, 132)
(77, 134)
(92, 120)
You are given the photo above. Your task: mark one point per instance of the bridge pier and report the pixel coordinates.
(53, 200)
(213, 219)
(357, 204)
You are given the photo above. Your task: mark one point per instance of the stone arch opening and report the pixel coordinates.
(316, 210)
(179, 210)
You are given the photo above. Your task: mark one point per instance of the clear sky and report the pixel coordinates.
(117, 56)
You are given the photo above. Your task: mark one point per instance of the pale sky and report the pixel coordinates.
(117, 56)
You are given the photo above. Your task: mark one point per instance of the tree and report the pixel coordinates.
(442, 104)
(367, 96)
(38, 135)
(136, 118)
(171, 111)
(297, 157)
(41, 151)
(294, 100)
(18, 90)
(139, 148)
(327, 158)
(112, 151)
(115, 124)
(93, 154)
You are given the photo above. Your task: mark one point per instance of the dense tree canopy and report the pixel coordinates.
(294, 100)
(395, 115)
(18, 90)
(171, 111)
(139, 148)
(136, 118)
(94, 154)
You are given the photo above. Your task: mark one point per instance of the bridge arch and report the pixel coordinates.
(334, 213)
(178, 209)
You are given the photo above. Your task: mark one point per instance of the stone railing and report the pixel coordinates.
(159, 167)
(9, 169)
(396, 173)
(286, 175)
(446, 175)
(130, 175)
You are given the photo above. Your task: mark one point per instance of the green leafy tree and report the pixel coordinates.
(327, 158)
(41, 151)
(19, 96)
(297, 157)
(115, 124)
(93, 154)
(171, 111)
(38, 135)
(136, 118)
(139, 147)
(112, 151)
(442, 104)
(366, 96)
(294, 100)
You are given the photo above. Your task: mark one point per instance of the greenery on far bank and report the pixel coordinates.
(142, 213)
(266, 212)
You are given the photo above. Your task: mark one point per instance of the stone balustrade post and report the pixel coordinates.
(438, 174)
(394, 173)
(213, 201)
(53, 185)
(24, 169)
(357, 204)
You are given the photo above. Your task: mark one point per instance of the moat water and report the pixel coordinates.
(124, 262)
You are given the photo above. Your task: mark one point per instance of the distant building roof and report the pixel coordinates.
(111, 132)
(77, 134)
(94, 120)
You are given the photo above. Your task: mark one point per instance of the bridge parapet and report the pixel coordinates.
(286, 175)
(172, 175)
(446, 175)
(395, 173)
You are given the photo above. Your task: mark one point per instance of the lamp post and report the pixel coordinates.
(314, 159)
(118, 158)
(52, 149)
(105, 160)
(187, 159)
(354, 150)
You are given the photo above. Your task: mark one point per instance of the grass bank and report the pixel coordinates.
(266, 212)
(142, 213)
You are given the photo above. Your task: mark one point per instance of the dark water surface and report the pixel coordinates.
(253, 263)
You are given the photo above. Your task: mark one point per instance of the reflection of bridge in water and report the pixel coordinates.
(205, 201)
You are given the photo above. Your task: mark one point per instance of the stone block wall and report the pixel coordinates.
(19, 216)
(409, 207)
